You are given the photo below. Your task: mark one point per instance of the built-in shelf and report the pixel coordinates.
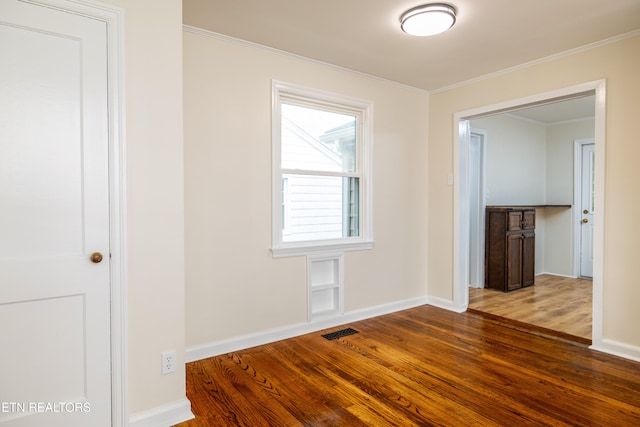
(324, 278)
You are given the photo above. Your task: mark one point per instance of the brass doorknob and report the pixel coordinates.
(585, 220)
(96, 257)
(586, 211)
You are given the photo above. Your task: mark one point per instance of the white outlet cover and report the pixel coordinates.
(168, 362)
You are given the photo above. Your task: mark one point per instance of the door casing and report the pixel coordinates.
(461, 192)
(114, 19)
(476, 228)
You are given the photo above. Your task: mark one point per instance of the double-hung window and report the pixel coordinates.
(321, 177)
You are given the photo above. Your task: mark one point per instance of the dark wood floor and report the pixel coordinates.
(419, 367)
(555, 304)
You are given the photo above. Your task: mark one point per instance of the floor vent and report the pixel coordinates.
(339, 334)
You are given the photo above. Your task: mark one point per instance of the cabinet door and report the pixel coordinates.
(514, 261)
(528, 259)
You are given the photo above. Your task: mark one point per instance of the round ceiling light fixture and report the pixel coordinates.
(428, 19)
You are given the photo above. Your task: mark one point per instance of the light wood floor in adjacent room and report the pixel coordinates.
(420, 367)
(557, 305)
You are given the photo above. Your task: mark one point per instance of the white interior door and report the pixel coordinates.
(54, 213)
(587, 208)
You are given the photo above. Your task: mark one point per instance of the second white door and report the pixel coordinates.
(587, 208)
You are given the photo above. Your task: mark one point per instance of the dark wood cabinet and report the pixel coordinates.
(509, 248)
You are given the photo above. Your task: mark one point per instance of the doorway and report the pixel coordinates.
(462, 191)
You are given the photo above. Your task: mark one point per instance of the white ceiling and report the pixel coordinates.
(365, 36)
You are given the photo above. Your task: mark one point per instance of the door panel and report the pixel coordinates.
(514, 261)
(54, 302)
(40, 98)
(528, 259)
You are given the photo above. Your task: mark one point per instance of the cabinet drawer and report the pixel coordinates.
(515, 221)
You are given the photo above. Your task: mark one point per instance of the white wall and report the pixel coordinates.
(558, 249)
(516, 169)
(234, 286)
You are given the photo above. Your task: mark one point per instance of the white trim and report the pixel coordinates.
(549, 124)
(447, 304)
(462, 133)
(556, 274)
(460, 202)
(535, 62)
(483, 134)
(229, 39)
(119, 257)
(600, 137)
(363, 109)
(618, 349)
(163, 416)
(114, 18)
(251, 340)
(578, 144)
(309, 248)
(544, 98)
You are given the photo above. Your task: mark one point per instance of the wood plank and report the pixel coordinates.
(554, 303)
(424, 366)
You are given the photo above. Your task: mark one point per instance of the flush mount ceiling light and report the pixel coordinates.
(428, 19)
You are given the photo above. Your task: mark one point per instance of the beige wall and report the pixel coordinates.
(155, 211)
(618, 64)
(234, 286)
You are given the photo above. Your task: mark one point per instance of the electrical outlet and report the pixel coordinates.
(168, 362)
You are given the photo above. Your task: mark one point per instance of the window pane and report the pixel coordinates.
(318, 140)
(321, 207)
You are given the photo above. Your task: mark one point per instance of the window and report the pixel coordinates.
(321, 190)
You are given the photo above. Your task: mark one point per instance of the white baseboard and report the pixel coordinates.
(617, 349)
(556, 274)
(246, 341)
(446, 304)
(163, 416)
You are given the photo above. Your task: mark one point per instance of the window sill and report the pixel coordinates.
(315, 247)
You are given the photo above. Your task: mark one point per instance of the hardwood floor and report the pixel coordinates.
(555, 304)
(419, 367)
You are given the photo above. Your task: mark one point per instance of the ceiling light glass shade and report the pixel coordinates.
(429, 19)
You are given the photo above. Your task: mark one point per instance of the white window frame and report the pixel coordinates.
(363, 110)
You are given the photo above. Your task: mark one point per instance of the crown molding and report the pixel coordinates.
(222, 37)
(543, 60)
